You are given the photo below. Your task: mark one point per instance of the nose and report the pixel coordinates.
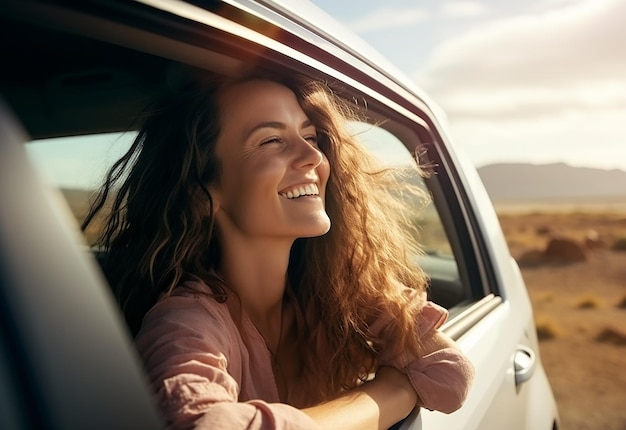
(307, 154)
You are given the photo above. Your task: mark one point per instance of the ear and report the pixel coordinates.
(215, 197)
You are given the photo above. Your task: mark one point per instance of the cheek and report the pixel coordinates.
(323, 170)
(257, 179)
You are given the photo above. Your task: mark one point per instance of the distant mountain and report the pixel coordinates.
(541, 182)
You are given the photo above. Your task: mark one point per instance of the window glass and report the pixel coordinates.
(438, 260)
(77, 166)
(78, 162)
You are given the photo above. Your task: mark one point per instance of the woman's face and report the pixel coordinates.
(274, 176)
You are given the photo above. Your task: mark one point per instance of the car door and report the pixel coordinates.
(473, 275)
(66, 360)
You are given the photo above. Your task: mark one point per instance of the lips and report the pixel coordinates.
(301, 191)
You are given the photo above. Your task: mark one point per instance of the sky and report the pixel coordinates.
(536, 81)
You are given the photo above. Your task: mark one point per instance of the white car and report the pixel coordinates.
(85, 69)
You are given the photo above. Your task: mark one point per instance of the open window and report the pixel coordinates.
(76, 166)
(446, 286)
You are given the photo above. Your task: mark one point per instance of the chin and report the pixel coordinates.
(320, 229)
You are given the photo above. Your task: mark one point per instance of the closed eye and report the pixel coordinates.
(272, 140)
(312, 139)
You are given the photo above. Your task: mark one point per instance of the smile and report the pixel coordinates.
(301, 191)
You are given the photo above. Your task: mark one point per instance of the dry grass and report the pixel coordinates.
(613, 336)
(547, 329)
(547, 297)
(590, 302)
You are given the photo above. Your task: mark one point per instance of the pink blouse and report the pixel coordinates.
(210, 367)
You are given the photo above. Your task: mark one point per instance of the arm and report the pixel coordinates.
(441, 375)
(392, 394)
(377, 404)
(192, 358)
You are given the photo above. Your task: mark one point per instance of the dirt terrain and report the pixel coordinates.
(578, 293)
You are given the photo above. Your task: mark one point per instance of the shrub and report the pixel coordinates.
(588, 303)
(547, 329)
(530, 258)
(619, 244)
(543, 230)
(612, 336)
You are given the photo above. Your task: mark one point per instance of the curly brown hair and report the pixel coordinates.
(161, 227)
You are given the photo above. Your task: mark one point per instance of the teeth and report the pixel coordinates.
(302, 190)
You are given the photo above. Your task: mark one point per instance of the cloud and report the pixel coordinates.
(463, 9)
(554, 61)
(532, 101)
(577, 138)
(385, 18)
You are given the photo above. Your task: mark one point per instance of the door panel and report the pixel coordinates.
(494, 401)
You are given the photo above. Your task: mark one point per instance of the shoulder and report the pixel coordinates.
(191, 297)
(190, 311)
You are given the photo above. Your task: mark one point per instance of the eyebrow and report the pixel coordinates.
(275, 124)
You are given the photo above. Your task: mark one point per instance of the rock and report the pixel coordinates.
(612, 336)
(564, 250)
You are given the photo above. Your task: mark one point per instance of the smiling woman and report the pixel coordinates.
(248, 255)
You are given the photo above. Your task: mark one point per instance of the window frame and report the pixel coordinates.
(452, 202)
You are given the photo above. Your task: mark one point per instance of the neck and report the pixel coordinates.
(257, 272)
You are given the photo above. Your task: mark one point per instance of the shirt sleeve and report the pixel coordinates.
(441, 378)
(186, 351)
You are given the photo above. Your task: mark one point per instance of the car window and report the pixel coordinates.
(77, 166)
(389, 150)
(438, 259)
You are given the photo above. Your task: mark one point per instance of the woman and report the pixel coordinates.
(266, 269)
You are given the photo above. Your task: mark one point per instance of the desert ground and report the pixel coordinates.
(578, 292)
